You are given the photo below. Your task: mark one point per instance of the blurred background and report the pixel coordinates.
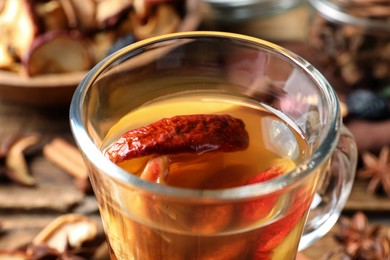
(47, 46)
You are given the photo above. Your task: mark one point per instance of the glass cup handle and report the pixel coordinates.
(334, 191)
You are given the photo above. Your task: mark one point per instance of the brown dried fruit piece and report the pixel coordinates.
(164, 20)
(51, 15)
(15, 163)
(197, 133)
(80, 14)
(109, 12)
(67, 230)
(18, 25)
(72, 54)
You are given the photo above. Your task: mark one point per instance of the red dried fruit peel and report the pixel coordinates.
(182, 134)
(273, 234)
(156, 169)
(211, 219)
(253, 211)
(230, 249)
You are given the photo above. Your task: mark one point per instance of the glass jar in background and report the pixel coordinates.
(350, 42)
(273, 20)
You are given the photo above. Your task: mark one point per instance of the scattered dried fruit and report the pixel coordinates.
(70, 236)
(182, 134)
(23, 23)
(67, 231)
(15, 165)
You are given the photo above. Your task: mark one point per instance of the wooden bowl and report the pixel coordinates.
(57, 89)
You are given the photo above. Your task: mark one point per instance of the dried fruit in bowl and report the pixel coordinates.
(32, 34)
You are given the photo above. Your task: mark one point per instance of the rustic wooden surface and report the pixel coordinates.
(25, 211)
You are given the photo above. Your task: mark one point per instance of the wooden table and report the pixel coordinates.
(25, 211)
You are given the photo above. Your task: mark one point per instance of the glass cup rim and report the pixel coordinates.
(92, 153)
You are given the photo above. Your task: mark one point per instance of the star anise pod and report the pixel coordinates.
(359, 240)
(377, 170)
(355, 233)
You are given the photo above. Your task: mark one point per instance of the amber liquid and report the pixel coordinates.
(145, 226)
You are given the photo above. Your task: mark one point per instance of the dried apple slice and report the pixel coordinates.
(69, 229)
(16, 165)
(81, 14)
(18, 24)
(52, 16)
(164, 20)
(57, 52)
(70, 13)
(108, 12)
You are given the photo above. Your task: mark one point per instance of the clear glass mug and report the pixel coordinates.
(144, 220)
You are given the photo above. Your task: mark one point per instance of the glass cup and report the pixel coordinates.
(145, 220)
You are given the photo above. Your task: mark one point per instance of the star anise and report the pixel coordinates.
(359, 240)
(355, 233)
(377, 169)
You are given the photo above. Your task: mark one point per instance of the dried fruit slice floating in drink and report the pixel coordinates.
(161, 142)
(182, 134)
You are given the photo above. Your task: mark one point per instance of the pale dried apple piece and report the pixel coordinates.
(70, 229)
(16, 165)
(52, 15)
(141, 8)
(57, 52)
(108, 12)
(164, 20)
(81, 14)
(70, 13)
(18, 24)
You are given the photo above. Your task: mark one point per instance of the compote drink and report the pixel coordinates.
(140, 225)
